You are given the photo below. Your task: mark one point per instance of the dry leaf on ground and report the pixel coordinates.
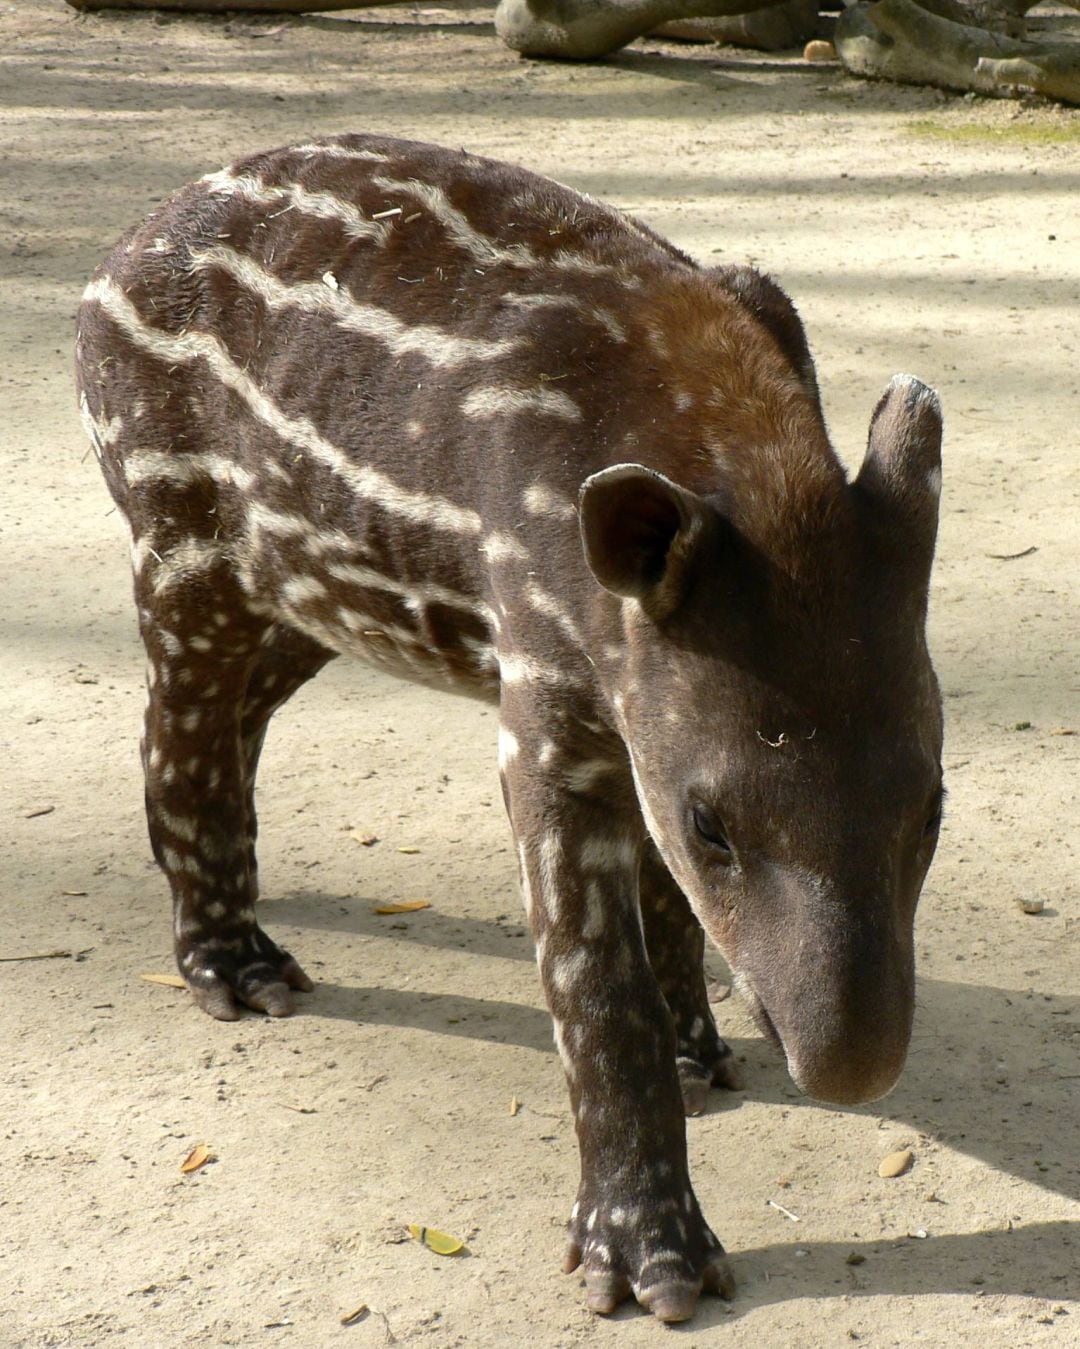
(196, 1158)
(442, 1243)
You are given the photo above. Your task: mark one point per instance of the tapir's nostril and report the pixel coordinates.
(845, 1085)
(842, 1063)
(848, 1069)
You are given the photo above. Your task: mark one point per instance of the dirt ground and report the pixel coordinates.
(916, 232)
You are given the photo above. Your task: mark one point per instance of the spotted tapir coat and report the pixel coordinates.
(375, 398)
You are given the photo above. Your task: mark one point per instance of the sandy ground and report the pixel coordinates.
(916, 232)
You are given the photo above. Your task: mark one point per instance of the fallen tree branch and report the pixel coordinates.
(775, 29)
(247, 6)
(569, 28)
(899, 40)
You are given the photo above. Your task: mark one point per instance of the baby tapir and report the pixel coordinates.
(372, 397)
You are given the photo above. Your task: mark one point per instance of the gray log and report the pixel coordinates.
(899, 40)
(585, 28)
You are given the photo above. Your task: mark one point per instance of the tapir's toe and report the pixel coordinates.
(726, 1072)
(633, 1250)
(672, 1301)
(260, 976)
(604, 1290)
(717, 1278)
(700, 1070)
(695, 1093)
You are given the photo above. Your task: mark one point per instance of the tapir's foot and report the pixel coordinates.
(703, 1064)
(226, 974)
(657, 1248)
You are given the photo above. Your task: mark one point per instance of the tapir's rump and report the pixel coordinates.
(369, 397)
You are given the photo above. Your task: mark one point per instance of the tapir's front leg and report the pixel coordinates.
(676, 944)
(636, 1226)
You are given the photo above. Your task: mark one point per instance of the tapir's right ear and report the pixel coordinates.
(901, 474)
(639, 530)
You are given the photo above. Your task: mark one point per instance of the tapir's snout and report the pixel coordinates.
(852, 1068)
(839, 1049)
(835, 987)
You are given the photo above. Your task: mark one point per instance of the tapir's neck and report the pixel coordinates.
(745, 427)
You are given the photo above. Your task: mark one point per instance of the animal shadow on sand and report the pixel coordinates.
(1026, 1125)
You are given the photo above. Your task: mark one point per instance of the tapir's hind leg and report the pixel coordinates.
(676, 945)
(207, 709)
(286, 661)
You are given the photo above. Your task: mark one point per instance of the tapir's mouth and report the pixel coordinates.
(762, 1019)
(840, 1080)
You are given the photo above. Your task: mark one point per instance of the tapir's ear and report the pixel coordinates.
(639, 530)
(901, 474)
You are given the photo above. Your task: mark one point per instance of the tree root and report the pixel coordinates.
(900, 40)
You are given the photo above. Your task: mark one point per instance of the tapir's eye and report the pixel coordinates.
(711, 831)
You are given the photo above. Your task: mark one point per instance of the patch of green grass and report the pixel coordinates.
(1065, 132)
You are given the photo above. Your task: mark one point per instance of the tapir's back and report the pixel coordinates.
(348, 280)
(369, 357)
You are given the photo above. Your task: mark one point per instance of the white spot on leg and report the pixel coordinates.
(180, 826)
(551, 854)
(609, 853)
(526, 888)
(564, 1054)
(567, 971)
(508, 747)
(595, 912)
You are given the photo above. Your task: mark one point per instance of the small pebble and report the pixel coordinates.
(1031, 905)
(895, 1164)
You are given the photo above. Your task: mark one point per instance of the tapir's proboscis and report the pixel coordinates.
(369, 397)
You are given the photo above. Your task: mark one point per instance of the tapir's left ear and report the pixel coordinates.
(639, 530)
(901, 474)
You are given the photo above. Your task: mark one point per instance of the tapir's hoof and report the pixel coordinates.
(259, 975)
(697, 1076)
(666, 1265)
